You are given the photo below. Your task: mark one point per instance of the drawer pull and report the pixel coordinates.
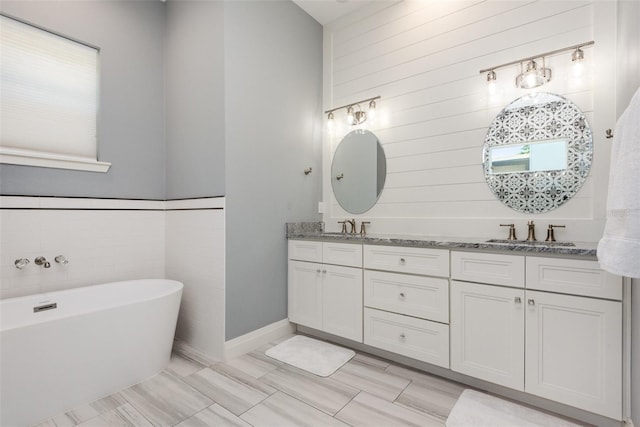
(402, 295)
(403, 336)
(531, 301)
(403, 261)
(517, 300)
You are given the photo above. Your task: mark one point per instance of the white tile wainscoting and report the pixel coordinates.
(108, 240)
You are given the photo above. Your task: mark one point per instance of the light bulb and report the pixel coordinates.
(577, 63)
(491, 83)
(330, 120)
(350, 118)
(372, 110)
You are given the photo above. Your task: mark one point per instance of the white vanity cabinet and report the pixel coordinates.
(487, 333)
(325, 287)
(567, 348)
(406, 313)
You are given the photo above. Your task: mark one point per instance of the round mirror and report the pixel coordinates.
(537, 152)
(358, 171)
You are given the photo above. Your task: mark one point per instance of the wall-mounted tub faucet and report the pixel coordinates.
(60, 259)
(42, 261)
(21, 263)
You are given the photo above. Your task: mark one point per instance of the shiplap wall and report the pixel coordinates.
(423, 58)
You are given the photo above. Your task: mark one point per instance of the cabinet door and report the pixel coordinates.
(342, 301)
(574, 351)
(487, 333)
(305, 293)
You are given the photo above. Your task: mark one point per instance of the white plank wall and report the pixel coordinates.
(423, 58)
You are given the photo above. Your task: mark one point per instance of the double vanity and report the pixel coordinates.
(541, 319)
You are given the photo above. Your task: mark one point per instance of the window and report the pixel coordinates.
(49, 98)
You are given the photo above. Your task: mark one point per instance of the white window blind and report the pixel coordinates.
(48, 98)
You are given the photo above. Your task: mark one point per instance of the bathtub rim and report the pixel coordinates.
(175, 286)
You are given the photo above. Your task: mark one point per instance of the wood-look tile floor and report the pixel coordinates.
(255, 390)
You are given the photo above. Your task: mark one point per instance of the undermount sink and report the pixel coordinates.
(526, 242)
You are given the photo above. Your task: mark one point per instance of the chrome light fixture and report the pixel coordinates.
(533, 76)
(355, 115)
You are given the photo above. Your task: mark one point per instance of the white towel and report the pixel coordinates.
(619, 248)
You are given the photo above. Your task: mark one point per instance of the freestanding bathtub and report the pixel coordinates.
(66, 348)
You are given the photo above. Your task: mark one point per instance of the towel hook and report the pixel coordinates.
(609, 134)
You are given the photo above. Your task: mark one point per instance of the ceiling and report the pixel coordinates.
(325, 11)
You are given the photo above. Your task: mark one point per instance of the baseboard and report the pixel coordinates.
(254, 339)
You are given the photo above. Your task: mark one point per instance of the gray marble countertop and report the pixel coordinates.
(585, 250)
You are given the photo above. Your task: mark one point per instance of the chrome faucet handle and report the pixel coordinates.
(531, 237)
(43, 262)
(344, 226)
(60, 259)
(21, 263)
(550, 235)
(512, 231)
(363, 227)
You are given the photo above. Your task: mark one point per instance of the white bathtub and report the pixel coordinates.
(98, 340)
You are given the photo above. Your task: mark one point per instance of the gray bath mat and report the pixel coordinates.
(475, 409)
(317, 357)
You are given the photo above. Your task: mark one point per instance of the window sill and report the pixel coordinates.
(14, 156)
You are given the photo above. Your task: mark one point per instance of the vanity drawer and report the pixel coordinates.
(494, 269)
(416, 338)
(572, 276)
(348, 254)
(431, 262)
(305, 250)
(418, 296)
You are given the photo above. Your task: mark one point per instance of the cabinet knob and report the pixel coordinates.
(403, 261)
(531, 301)
(402, 336)
(402, 295)
(324, 271)
(318, 271)
(517, 300)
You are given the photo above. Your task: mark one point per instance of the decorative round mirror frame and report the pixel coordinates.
(538, 117)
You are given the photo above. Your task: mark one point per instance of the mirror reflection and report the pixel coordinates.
(537, 152)
(530, 157)
(358, 171)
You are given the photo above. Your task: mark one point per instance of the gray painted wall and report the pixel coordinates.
(131, 123)
(273, 98)
(195, 98)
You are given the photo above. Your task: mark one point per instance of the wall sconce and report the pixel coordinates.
(533, 76)
(355, 115)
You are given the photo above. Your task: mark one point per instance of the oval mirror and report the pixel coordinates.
(358, 171)
(537, 152)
